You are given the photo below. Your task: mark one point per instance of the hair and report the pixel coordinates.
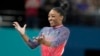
(59, 10)
(62, 10)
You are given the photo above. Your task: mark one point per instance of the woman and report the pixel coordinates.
(52, 39)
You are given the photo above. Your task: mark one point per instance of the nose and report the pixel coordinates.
(49, 18)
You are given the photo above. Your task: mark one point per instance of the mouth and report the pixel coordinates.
(51, 22)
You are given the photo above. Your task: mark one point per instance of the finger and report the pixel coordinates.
(15, 26)
(25, 26)
(39, 39)
(36, 39)
(16, 23)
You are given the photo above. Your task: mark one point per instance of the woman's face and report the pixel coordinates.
(54, 18)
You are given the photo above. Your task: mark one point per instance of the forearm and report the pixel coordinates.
(30, 43)
(25, 37)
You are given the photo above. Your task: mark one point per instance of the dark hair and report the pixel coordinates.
(62, 10)
(59, 10)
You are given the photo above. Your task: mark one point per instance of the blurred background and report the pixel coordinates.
(82, 18)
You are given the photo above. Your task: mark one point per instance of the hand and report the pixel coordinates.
(41, 39)
(19, 28)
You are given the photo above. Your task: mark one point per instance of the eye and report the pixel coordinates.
(53, 16)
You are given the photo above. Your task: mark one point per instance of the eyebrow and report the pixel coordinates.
(51, 14)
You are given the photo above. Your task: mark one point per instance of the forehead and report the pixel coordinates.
(53, 12)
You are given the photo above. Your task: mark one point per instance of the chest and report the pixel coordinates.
(51, 34)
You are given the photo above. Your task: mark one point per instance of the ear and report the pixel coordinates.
(62, 17)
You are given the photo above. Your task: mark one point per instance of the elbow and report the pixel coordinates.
(31, 47)
(31, 44)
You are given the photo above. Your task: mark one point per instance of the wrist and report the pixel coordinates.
(23, 34)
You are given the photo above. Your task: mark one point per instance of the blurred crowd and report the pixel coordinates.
(35, 12)
(78, 12)
(85, 12)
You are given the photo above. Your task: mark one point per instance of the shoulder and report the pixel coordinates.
(65, 29)
(45, 28)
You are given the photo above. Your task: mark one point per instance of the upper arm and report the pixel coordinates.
(61, 38)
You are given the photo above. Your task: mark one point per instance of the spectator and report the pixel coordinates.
(31, 7)
(82, 6)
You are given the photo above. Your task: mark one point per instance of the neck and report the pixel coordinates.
(58, 26)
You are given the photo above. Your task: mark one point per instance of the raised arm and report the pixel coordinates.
(21, 30)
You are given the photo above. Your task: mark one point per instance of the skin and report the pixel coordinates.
(54, 18)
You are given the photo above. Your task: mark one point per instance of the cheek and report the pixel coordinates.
(57, 19)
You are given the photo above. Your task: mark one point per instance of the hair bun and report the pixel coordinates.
(64, 5)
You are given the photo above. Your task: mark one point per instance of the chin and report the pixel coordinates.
(52, 25)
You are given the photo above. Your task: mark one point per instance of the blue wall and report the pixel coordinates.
(11, 43)
(81, 38)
